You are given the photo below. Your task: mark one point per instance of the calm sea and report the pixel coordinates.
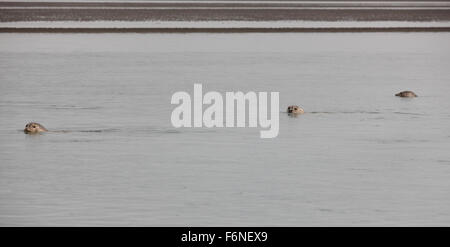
(359, 156)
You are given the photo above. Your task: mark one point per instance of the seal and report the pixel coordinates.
(406, 94)
(33, 128)
(294, 109)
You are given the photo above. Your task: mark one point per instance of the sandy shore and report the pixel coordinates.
(223, 11)
(235, 3)
(14, 13)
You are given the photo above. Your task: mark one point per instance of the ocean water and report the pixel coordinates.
(358, 157)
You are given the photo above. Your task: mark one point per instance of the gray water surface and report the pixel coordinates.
(359, 156)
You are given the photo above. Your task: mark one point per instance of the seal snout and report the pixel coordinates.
(294, 109)
(33, 128)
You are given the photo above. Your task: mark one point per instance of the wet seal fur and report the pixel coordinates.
(294, 109)
(34, 128)
(406, 94)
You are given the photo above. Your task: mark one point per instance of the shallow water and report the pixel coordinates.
(359, 156)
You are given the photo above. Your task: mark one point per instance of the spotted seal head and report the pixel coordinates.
(294, 109)
(406, 94)
(33, 128)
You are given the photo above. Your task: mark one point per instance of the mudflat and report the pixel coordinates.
(222, 11)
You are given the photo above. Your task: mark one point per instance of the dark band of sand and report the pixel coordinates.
(223, 30)
(270, 3)
(228, 11)
(13, 15)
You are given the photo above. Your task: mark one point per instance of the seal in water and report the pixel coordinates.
(406, 94)
(33, 128)
(293, 109)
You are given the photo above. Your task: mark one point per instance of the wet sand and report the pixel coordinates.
(235, 3)
(223, 11)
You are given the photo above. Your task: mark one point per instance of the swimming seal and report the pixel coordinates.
(33, 128)
(406, 94)
(293, 109)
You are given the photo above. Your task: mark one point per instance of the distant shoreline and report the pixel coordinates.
(223, 30)
(226, 11)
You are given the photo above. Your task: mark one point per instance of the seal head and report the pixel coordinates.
(33, 128)
(406, 94)
(294, 109)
